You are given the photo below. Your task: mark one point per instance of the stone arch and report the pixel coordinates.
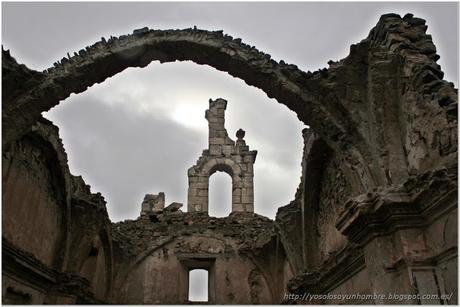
(233, 170)
(309, 95)
(74, 74)
(220, 194)
(242, 184)
(223, 155)
(227, 165)
(325, 100)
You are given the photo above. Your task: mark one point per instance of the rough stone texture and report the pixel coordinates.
(375, 211)
(154, 257)
(333, 194)
(224, 155)
(369, 107)
(153, 203)
(55, 231)
(400, 112)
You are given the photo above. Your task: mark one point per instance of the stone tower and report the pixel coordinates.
(225, 155)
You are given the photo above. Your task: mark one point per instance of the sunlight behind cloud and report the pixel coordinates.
(140, 130)
(190, 116)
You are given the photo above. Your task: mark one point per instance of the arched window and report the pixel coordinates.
(220, 194)
(198, 285)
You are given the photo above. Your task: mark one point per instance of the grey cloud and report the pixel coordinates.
(124, 151)
(304, 33)
(124, 155)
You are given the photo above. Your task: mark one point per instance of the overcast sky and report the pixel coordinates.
(141, 130)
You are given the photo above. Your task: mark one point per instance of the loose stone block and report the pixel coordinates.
(153, 202)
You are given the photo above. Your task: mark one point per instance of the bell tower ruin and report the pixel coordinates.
(224, 155)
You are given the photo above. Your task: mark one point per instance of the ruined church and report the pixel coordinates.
(374, 218)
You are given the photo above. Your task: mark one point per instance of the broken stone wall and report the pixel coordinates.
(376, 209)
(34, 207)
(224, 155)
(153, 203)
(245, 261)
(92, 257)
(55, 231)
(362, 194)
(162, 276)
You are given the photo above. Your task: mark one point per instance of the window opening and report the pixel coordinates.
(198, 285)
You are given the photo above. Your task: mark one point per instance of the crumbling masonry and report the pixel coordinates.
(223, 155)
(375, 211)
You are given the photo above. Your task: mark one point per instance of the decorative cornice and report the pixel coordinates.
(414, 204)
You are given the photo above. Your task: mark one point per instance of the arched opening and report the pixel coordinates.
(220, 194)
(158, 141)
(198, 285)
(90, 66)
